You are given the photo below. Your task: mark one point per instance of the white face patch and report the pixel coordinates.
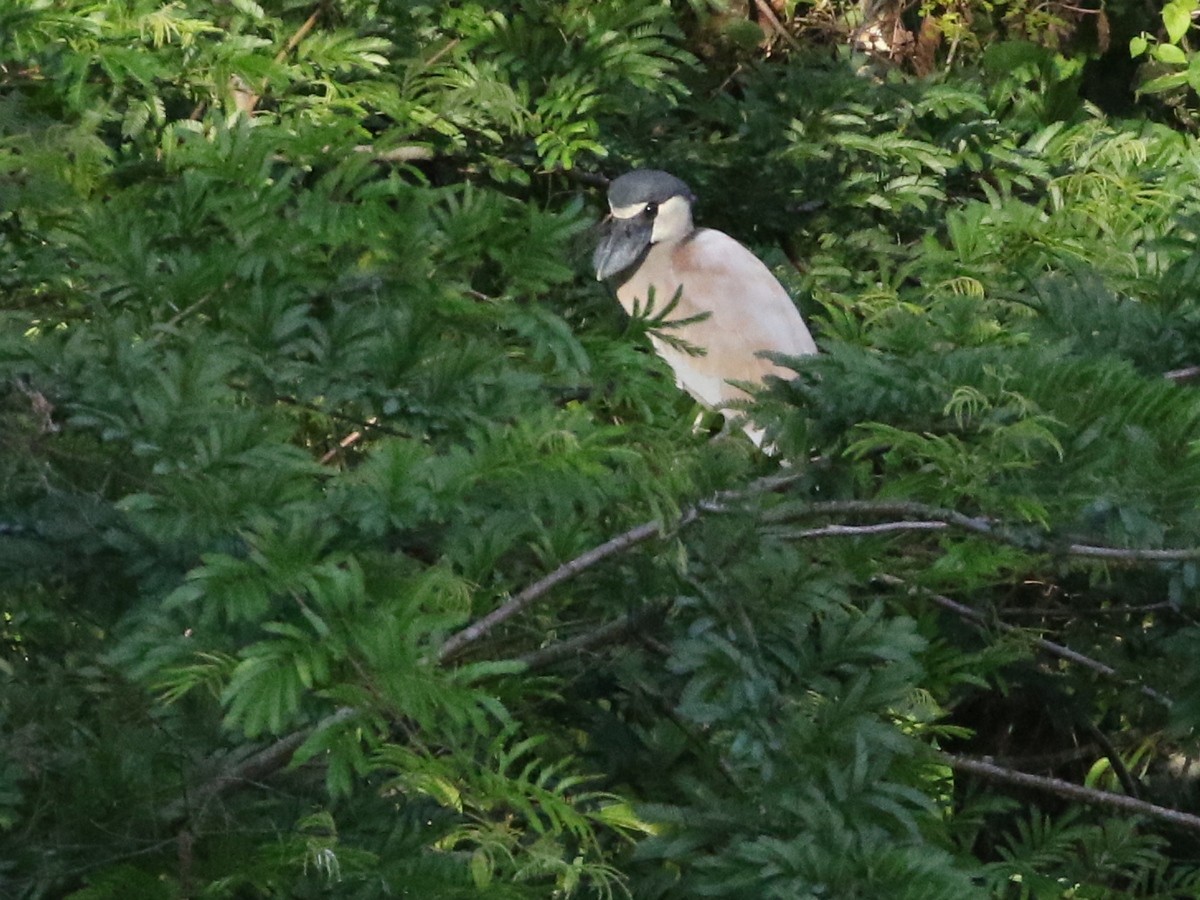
(673, 222)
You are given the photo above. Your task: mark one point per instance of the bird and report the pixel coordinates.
(731, 309)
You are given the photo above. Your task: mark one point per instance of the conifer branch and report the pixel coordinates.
(279, 754)
(986, 768)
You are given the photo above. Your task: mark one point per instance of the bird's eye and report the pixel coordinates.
(651, 209)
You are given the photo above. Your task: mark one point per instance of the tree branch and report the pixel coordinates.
(985, 768)
(279, 753)
(271, 758)
(349, 441)
(1184, 375)
(860, 530)
(609, 632)
(301, 33)
(1062, 652)
(934, 518)
(247, 100)
(586, 560)
(772, 20)
(543, 586)
(403, 153)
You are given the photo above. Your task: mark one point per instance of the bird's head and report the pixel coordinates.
(647, 207)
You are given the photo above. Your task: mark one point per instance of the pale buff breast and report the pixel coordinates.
(749, 311)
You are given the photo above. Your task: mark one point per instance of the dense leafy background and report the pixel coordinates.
(302, 372)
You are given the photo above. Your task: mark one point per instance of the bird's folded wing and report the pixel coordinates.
(750, 310)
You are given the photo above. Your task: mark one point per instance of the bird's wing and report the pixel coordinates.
(750, 310)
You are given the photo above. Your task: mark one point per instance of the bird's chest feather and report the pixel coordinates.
(661, 276)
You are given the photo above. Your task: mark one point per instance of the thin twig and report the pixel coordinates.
(1184, 375)
(607, 633)
(881, 508)
(249, 99)
(442, 51)
(767, 13)
(859, 530)
(974, 524)
(349, 441)
(1080, 612)
(402, 154)
(188, 310)
(985, 768)
(543, 586)
(42, 408)
(1128, 782)
(1134, 554)
(1062, 652)
(359, 425)
(269, 759)
(301, 33)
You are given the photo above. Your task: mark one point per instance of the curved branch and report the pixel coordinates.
(772, 20)
(985, 768)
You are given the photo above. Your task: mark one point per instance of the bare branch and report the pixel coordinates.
(1134, 554)
(301, 33)
(271, 758)
(985, 768)
(401, 154)
(348, 441)
(859, 530)
(41, 408)
(931, 516)
(1184, 375)
(543, 586)
(584, 561)
(1062, 652)
(247, 100)
(609, 632)
(278, 754)
(764, 10)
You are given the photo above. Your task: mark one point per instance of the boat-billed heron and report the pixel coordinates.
(737, 307)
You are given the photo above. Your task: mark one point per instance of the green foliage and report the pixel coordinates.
(302, 374)
(1176, 21)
